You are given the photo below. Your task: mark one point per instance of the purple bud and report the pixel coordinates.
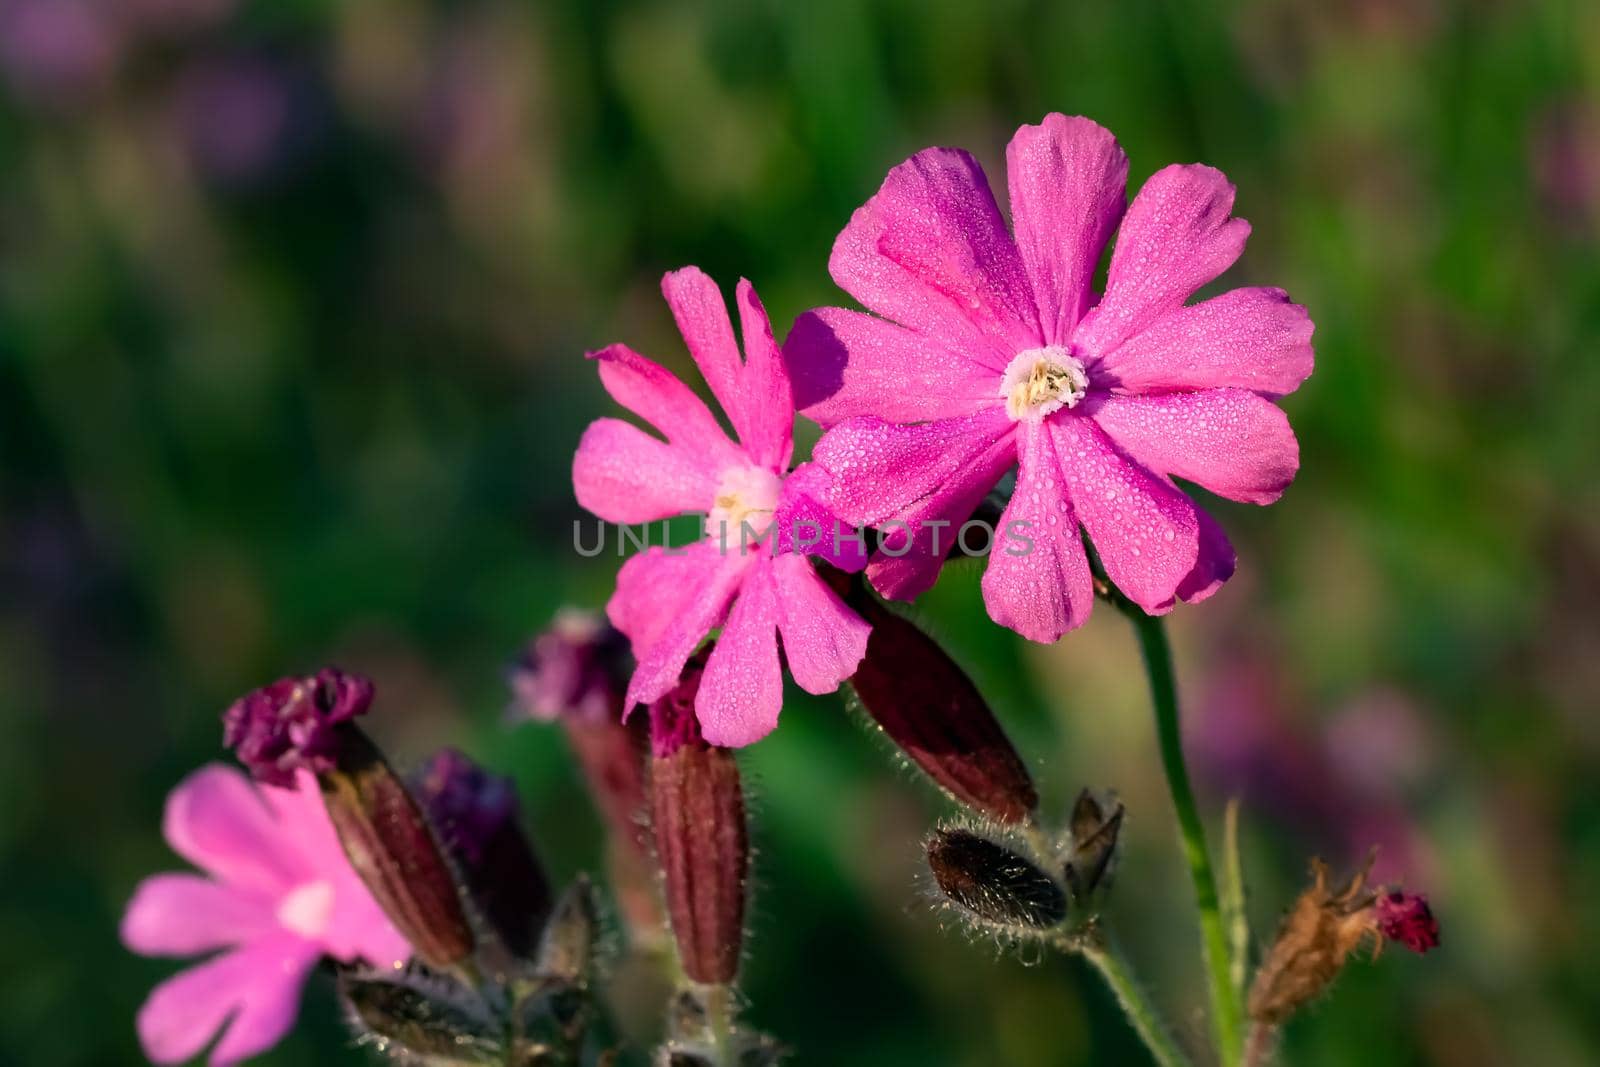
(702, 844)
(1406, 918)
(291, 724)
(577, 670)
(929, 708)
(474, 814)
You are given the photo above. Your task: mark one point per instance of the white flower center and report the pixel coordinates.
(746, 495)
(307, 909)
(1041, 381)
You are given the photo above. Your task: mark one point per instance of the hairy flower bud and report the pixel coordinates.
(1094, 846)
(293, 723)
(1317, 937)
(993, 883)
(1406, 918)
(474, 815)
(305, 722)
(698, 822)
(925, 703)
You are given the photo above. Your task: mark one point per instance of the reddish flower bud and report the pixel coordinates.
(933, 713)
(474, 814)
(1406, 918)
(576, 670)
(305, 722)
(993, 883)
(292, 724)
(698, 822)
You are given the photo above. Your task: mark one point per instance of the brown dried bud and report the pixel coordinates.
(391, 847)
(1316, 939)
(698, 823)
(929, 708)
(1094, 846)
(994, 884)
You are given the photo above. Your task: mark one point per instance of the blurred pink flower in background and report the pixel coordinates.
(1566, 163)
(668, 600)
(55, 53)
(986, 352)
(277, 895)
(246, 119)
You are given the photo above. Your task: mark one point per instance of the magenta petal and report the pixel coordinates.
(697, 609)
(1247, 338)
(1176, 237)
(766, 424)
(654, 586)
(1068, 180)
(702, 318)
(931, 252)
(1232, 442)
(741, 691)
(808, 527)
(1143, 529)
(845, 363)
(655, 394)
(1037, 580)
(1213, 566)
(217, 821)
(624, 475)
(823, 640)
(257, 987)
(908, 563)
(880, 470)
(187, 914)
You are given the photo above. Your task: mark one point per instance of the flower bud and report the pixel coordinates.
(1406, 918)
(305, 722)
(1315, 940)
(1094, 846)
(474, 815)
(994, 884)
(698, 823)
(577, 669)
(415, 1016)
(933, 713)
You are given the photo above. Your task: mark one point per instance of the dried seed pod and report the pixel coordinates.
(1316, 939)
(1094, 846)
(994, 884)
(698, 824)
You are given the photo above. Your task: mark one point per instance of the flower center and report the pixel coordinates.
(746, 495)
(1041, 381)
(307, 909)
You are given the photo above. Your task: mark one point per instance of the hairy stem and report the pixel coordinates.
(1226, 1020)
(1109, 961)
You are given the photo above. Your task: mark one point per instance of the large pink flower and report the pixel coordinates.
(668, 600)
(989, 351)
(277, 895)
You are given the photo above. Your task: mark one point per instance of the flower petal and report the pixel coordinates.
(807, 526)
(915, 546)
(845, 363)
(656, 395)
(703, 583)
(1176, 237)
(741, 691)
(622, 474)
(1213, 566)
(1246, 338)
(1068, 179)
(702, 317)
(187, 914)
(1233, 442)
(1037, 579)
(931, 252)
(1143, 529)
(881, 470)
(217, 821)
(257, 987)
(823, 640)
(766, 425)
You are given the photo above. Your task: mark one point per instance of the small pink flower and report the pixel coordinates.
(277, 895)
(668, 600)
(1406, 918)
(988, 351)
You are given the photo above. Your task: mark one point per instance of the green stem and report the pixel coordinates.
(1226, 1022)
(1108, 960)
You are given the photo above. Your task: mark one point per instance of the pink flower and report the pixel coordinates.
(668, 600)
(1406, 918)
(988, 351)
(277, 895)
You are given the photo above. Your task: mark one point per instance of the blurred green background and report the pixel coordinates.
(293, 301)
